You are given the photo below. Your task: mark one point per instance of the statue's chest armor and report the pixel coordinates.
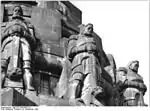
(134, 77)
(16, 25)
(85, 41)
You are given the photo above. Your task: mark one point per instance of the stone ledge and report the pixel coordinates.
(11, 97)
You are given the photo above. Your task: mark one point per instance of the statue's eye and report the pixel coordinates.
(137, 65)
(16, 10)
(89, 28)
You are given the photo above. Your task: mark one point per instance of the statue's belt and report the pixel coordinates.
(79, 57)
(129, 98)
(87, 52)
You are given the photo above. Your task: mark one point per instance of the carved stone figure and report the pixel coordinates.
(121, 75)
(131, 84)
(85, 68)
(16, 50)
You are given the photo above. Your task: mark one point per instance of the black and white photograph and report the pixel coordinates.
(74, 53)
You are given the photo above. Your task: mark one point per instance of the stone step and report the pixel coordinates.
(11, 97)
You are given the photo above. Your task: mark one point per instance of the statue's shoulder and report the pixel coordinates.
(73, 37)
(131, 74)
(4, 24)
(139, 76)
(29, 24)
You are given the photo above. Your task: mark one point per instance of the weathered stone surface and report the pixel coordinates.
(68, 31)
(2, 12)
(55, 48)
(111, 69)
(28, 3)
(52, 101)
(47, 23)
(7, 97)
(103, 58)
(45, 82)
(70, 13)
(11, 97)
(48, 62)
(74, 11)
(71, 16)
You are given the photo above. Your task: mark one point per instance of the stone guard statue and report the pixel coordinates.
(85, 68)
(131, 84)
(16, 50)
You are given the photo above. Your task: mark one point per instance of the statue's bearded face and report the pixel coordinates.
(17, 11)
(88, 30)
(134, 66)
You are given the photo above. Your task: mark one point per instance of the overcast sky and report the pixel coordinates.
(124, 29)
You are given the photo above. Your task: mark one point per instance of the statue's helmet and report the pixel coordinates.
(122, 69)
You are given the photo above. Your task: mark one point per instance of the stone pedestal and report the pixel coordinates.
(11, 97)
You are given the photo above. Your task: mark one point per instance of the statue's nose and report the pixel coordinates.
(17, 11)
(90, 30)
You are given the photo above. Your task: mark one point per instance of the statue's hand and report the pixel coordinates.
(15, 74)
